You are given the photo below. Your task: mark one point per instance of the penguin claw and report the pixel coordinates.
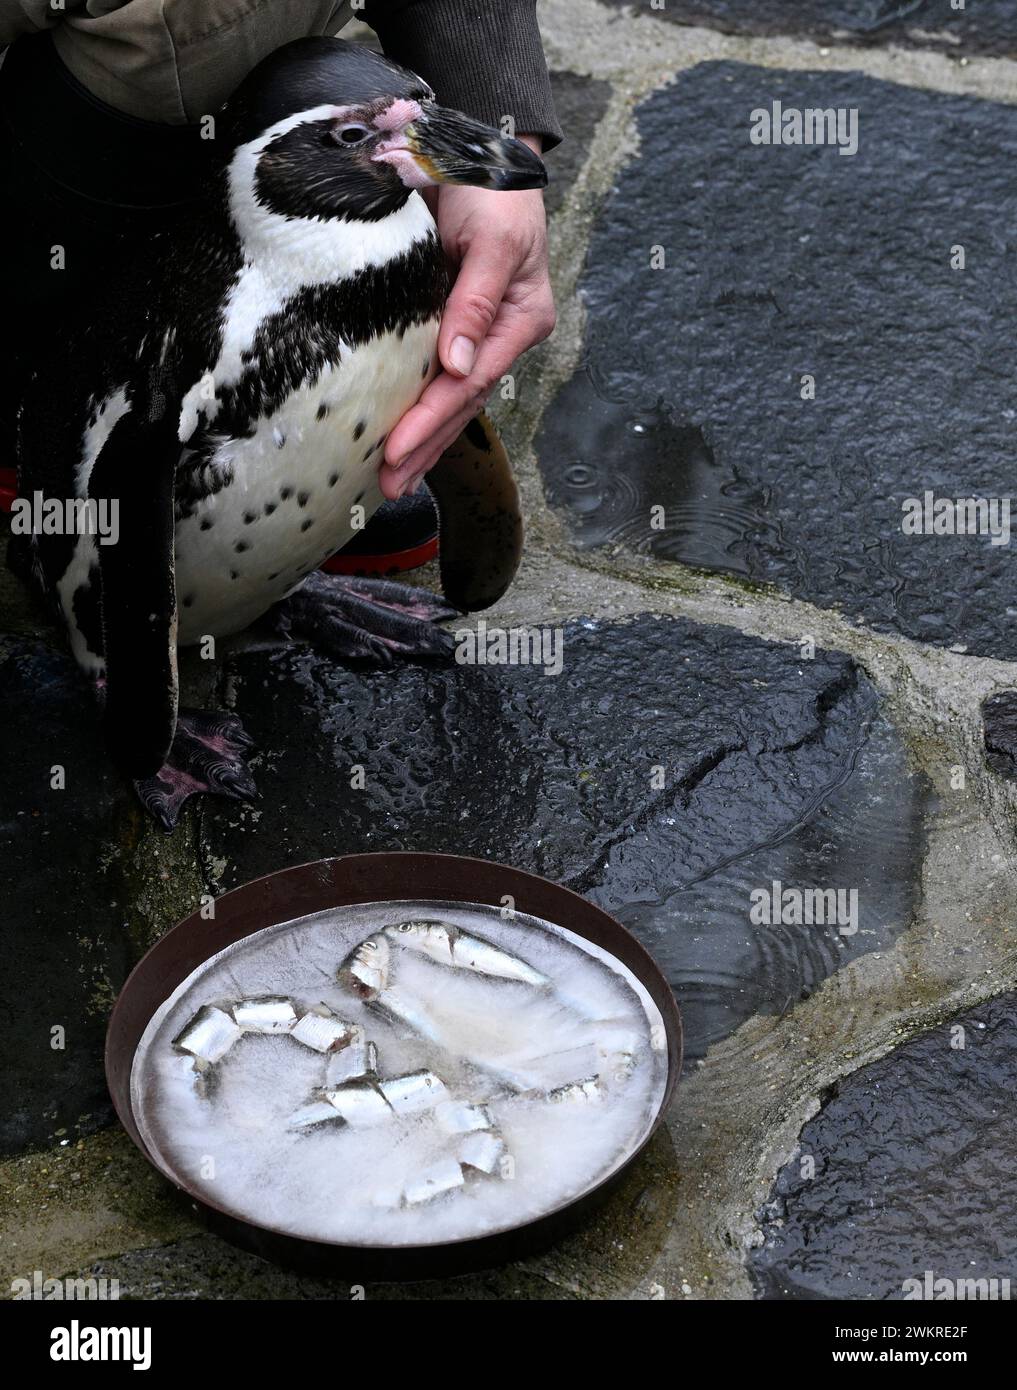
(371, 620)
(207, 756)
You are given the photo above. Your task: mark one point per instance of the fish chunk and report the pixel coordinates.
(209, 1035)
(443, 1176)
(321, 1029)
(481, 1151)
(269, 1013)
(366, 969)
(358, 1058)
(360, 1104)
(433, 939)
(455, 1117)
(414, 1093)
(318, 1112)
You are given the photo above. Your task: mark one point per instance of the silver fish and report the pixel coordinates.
(317, 1112)
(471, 953)
(440, 1177)
(455, 1117)
(269, 1013)
(209, 1035)
(554, 1069)
(414, 1093)
(447, 945)
(322, 1030)
(577, 1092)
(402, 1006)
(195, 1073)
(360, 1104)
(481, 1151)
(433, 939)
(359, 1058)
(366, 969)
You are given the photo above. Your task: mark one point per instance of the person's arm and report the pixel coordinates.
(19, 17)
(484, 57)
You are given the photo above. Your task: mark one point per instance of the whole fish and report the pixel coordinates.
(447, 945)
(471, 953)
(553, 1069)
(403, 1007)
(576, 1093)
(432, 939)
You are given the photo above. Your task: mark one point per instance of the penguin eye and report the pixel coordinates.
(350, 134)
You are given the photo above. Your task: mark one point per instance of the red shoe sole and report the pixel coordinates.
(395, 561)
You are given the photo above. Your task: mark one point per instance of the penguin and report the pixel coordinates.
(231, 395)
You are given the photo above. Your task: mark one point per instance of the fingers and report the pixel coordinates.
(450, 402)
(500, 305)
(484, 276)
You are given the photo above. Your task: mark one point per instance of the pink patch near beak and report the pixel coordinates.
(395, 150)
(399, 114)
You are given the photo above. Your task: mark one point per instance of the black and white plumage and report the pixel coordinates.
(234, 393)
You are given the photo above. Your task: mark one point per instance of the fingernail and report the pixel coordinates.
(461, 354)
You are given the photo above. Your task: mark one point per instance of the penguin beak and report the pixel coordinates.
(444, 146)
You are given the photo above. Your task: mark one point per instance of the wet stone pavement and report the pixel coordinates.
(918, 1152)
(616, 778)
(937, 24)
(767, 691)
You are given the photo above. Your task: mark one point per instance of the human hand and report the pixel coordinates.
(500, 305)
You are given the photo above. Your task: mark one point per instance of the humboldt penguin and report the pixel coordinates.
(232, 395)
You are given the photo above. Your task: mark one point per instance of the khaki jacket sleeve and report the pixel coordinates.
(173, 61)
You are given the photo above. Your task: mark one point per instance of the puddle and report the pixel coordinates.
(789, 271)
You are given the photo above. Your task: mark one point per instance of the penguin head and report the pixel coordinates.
(327, 129)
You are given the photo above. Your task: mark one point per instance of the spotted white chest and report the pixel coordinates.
(298, 488)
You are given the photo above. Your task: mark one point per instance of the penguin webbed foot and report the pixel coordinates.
(208, 755)
(372, 620)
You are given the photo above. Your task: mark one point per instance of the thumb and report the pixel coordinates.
(476, 296)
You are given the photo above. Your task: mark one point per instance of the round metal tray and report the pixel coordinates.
(370, 878)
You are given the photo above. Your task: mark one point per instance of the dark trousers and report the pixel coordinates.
(82, 188)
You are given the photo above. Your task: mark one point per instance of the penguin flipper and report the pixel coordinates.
(480, 522)
(135, 471)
